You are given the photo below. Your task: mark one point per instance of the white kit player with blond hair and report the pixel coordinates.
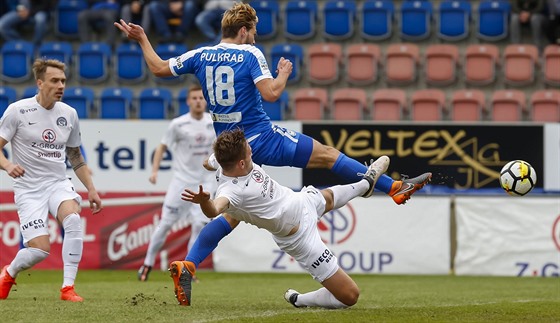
(190, 138)
(44, 131)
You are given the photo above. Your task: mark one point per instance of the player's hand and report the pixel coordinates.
(153, 178)
(132, 31)
(284, 66)
(194, 197)
(94, 201)
(15, 170)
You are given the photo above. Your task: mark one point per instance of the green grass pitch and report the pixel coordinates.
(117, 296)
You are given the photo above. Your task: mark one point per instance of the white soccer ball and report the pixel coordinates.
(518, 177)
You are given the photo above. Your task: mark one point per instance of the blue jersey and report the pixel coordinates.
(228, 74)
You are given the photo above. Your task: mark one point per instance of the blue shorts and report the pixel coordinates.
(281, 147)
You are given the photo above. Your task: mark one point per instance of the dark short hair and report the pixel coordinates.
(230, 147)
(40, 66)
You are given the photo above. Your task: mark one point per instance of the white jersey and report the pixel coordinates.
(190, 140)
(259, 200)
(39, 138)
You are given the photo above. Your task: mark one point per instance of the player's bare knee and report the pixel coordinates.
(350, 296)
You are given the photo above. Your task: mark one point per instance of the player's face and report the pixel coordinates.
(196, 101)
(53, 83)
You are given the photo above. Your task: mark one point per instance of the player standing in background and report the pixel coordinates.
(44, 131)
(190, 139)
(235, 78)
(248, 194)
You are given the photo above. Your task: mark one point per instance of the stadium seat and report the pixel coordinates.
(349, 104)
(401, 63)
(507, 105)
(324, 61)
(551, 65)
(481, 61)
(130, 66)
(60, 50)
(167, 51)
(388, 105)
(310, 104)
(81, 99)
(294, 53)
(17, 59)
(519, 64)
(94, 60)
(7, 96)
(362, 62)
(545, 106)
(154, 103)
(441, 63)
(115, 103)
(416, 20)
(268, 13)
(493, 20)
(427, 105)
(376, 19)
(467, 105)
(453, 22)
(29, 91)
(276, 110)
(66, 17)
(338, 19)
(182, 105)
(300, 19)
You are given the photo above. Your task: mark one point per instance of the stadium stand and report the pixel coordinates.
(481, 62)
(416, 20)
(294, 53)
(362, 63)
(94, 61)
(441, 63)
(182, 106)
(338, 19)
(66, 18)
(467, 105)
(80, 98)
(493, 20)
(154, 103)
(551, 65)
(427, 105)
(268, 13)
(454, 20)
(129, 63)
(310, 104)
(401, 63)
(545, 106)
(116, 103)
(376, 19)
(60, 50)
(300, 19)
(29, 92)
(323, 63)
(17, 59)
(276, 110)
(389, 105)
(167, 51)
(348, 104)
(519, 64)
(507, 106)
(7, 96)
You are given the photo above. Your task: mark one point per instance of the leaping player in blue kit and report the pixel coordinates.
(235, 78)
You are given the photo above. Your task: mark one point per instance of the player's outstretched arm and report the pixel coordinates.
(83, 173)
(210, 208)
(159, 67)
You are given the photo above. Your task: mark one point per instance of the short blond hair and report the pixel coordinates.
(239, 16)
(40, 67)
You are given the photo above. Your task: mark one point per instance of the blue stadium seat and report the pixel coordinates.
(261, 47)
(94, 59)
(59, 50)
(17, 59)
(81, 99)
(115, 103)
(130, 66)
(66, 17)
(268, 13)
(493, 20)
(154, 103)
(276, 110)
(338, 19)
(300, 18)
(167, 51)
(182, 101)
(29, 91)
(7, 96)
(454, 20)
(416, 20)
(376, 19)
(294, 53)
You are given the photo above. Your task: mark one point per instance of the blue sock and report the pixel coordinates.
(208, 240)
(349, 168)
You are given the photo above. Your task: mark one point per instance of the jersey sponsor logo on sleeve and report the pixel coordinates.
(178, 63)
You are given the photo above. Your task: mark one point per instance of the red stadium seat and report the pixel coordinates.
(427, 105)
(401, 63)
(349, 104)
(507, 105)
(388, 104)
(441, 64)
(362, 62)
(467, 105)
(324, 63)
(519, 64)
(546, 106)
(551, 65)
(310, 104)
(481, 61)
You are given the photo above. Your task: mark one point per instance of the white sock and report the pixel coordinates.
(344, 193)
(156, 242)
(25, 259)
(72, 247)
(319, 298)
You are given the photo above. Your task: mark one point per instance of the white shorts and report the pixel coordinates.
(34, 207)
(174, 208)
(306, 245)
